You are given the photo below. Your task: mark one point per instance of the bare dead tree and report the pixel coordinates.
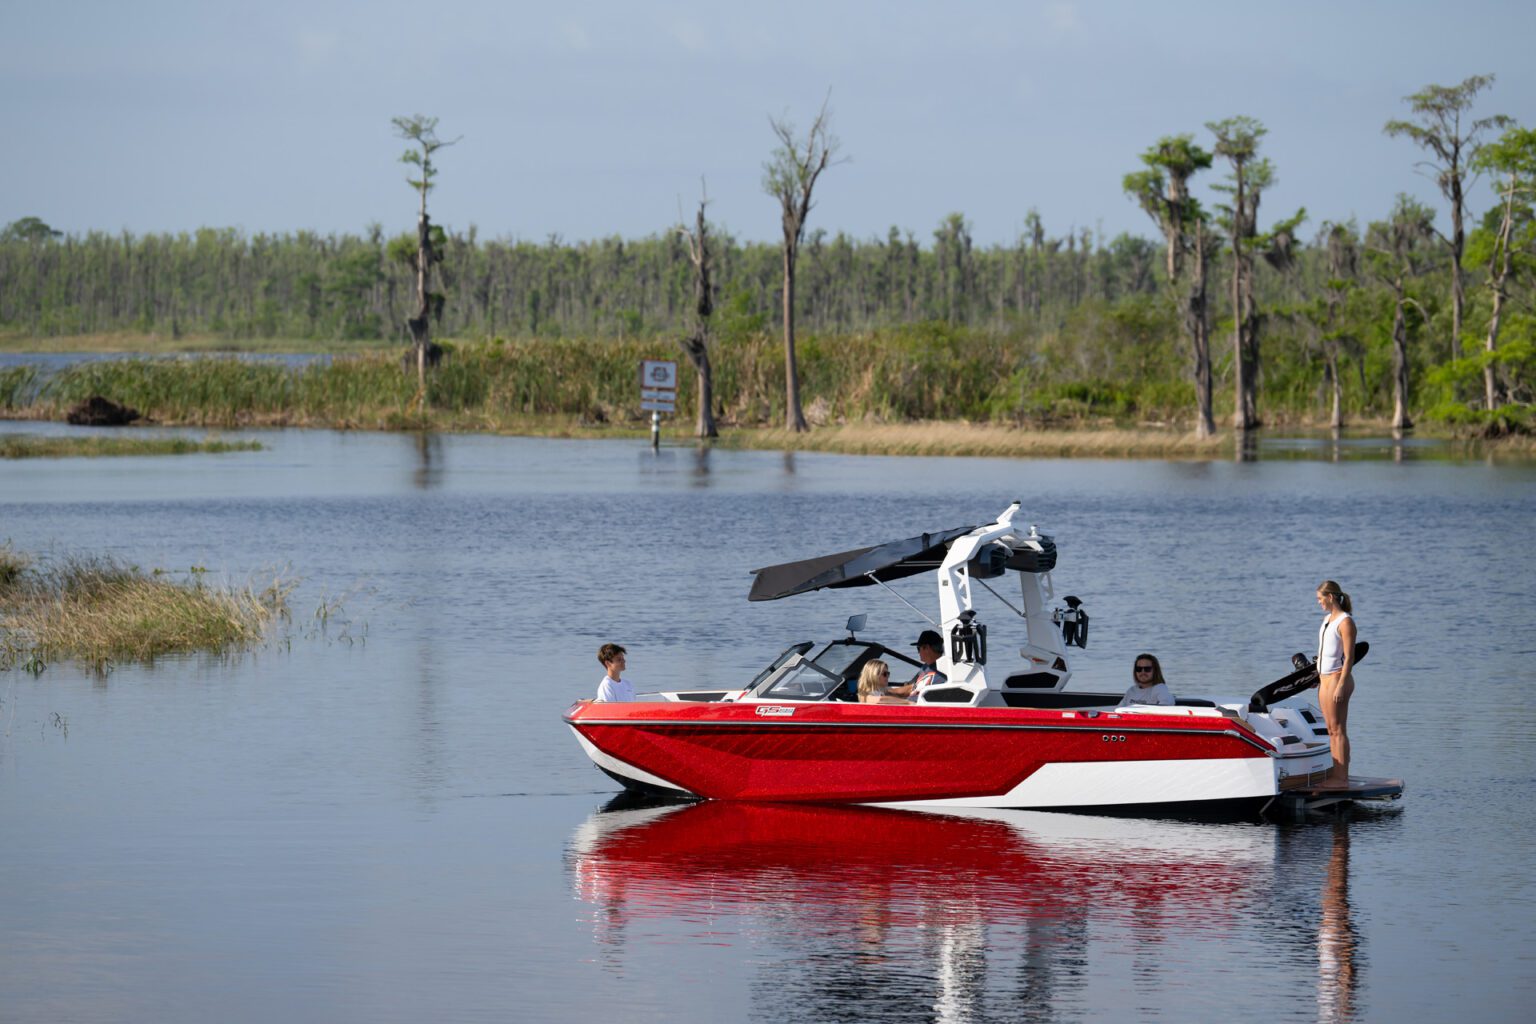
(696, 343)
(422, 132)
(790, 176)
(1438, 127)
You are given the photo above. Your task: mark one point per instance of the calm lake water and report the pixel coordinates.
(379, 816)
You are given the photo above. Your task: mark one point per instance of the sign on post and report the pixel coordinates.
(658, 385)
(658, 374)
(658, 391)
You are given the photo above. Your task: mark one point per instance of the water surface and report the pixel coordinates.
(381, 817)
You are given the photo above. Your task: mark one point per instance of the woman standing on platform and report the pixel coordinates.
(1335, 674)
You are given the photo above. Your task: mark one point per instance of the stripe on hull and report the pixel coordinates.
(1106, 783)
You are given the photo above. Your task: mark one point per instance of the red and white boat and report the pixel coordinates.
(1002, 732)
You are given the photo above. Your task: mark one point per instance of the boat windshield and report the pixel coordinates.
(778, 663)
(798, 679)
(841, 655)
(832, 674)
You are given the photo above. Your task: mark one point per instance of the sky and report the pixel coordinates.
(588, 119)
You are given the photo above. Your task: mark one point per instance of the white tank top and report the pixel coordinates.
(1330, 650)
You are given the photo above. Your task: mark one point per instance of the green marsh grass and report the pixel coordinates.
(16, 386)
(12, 564)
(136, 341)
(26, 446)
(922, 372)
(923, 387)
(98, 610)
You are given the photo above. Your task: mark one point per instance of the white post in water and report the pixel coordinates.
(658, 392)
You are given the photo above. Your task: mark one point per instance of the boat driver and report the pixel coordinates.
(929, 646)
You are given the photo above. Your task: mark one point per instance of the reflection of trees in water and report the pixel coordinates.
(428, 471)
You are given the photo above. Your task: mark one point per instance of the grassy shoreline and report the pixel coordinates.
(976, 440)
(98, 610)
(897, 394)
(30, 446)
(131, 343)
(928, 438)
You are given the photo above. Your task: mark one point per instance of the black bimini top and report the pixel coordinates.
(885, 562)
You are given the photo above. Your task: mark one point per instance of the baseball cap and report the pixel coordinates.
(929, 638)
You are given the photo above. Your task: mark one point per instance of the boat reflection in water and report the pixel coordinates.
(881, 914)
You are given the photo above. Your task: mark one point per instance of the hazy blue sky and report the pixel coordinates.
(589, 119)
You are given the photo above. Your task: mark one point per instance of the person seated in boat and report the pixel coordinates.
(613, 685)
(875, 684)
(1148, 687)
(929, 646)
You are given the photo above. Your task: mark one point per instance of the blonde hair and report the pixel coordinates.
(1330, 587)
(869, 678)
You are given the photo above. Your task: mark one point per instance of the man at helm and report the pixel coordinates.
(929, 646)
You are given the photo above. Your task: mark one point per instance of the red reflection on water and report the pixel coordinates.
(733, 857)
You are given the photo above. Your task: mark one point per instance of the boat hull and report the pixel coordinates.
(926, 757)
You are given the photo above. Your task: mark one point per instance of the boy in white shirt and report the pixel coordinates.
(613, 685)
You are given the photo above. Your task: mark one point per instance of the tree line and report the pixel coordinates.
(1358, 320)
(225, 283)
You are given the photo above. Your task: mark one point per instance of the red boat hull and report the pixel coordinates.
(859, 753)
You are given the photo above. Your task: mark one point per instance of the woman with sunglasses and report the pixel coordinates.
(1148, 686)
(875, 684)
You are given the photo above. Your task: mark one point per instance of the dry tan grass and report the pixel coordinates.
(134, 342)
(25, 446)
(1515, 446)
(943, 438)
(988, 440)
(98, 610)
